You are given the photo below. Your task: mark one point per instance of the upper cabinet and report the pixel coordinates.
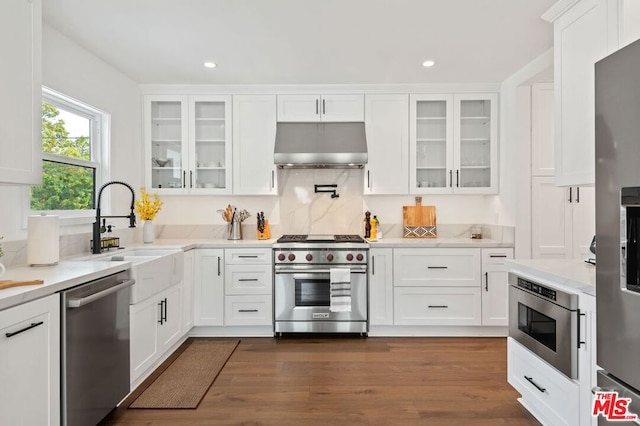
(309, 108)
(386, 123)
(20, 85)
(583, 34)
(254, 136)
(188, 144)
(453, 144)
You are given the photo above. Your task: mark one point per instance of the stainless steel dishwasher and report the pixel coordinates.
(95, 348)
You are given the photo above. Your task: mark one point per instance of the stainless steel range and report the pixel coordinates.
(321, 284)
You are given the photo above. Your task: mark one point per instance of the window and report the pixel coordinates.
(72, 144)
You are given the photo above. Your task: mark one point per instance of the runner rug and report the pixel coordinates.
(186, 381)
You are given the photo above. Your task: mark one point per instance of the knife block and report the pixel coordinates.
(266, 234)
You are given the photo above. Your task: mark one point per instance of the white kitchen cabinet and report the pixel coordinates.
(248, 287)
(188, 284)
(437, 306)
(192, 133)
(387, 168)
(453, 144)
(254, 136)
(312, 108)
(436, 267)
(495, 288)
(20, 85)
(549, 395)
(381, 286)
(155, 327)
(562, 220)
(542, 130)
(587, 366)
(209, 287)
(582, 36)
(30, 363)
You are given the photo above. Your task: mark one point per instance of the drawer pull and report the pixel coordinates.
(437, 267)
(530, 380)
(246, 256)
(247, 310)
(247, 279)
(438, 306)
(29, 327)
(498, 255)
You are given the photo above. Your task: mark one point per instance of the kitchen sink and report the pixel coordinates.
(153, 269)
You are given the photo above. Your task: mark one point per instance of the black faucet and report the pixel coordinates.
(96, 246)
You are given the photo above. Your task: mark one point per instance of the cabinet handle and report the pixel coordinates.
(22, 330)
(486, 281)
(247, 279)
(248, 256)
(368, 179)
(323, 108)
(373, 265)
(438, 306)
(497, 255)
(273, 179)
(247, 310)
(450, 179)
(161, 304)
(570, 194)
(580, 314)
(530, 380)
(457, 178)
(218, 265)
(317, 107)
(191, 179)
(577, 194)
(184, 178)
(437, 267)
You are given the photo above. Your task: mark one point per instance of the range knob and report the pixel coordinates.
(281, 257)
(292, 257)
(329, 257)
(349, 257)
(309, 257)
(359, 256)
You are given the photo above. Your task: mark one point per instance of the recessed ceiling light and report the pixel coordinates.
(428, 63)
(210, 64)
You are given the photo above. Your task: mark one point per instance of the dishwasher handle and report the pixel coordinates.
(77, 303)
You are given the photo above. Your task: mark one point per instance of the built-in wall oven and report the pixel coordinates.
(308, 298)
(545, 321)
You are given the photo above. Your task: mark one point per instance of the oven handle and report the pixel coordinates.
(362, 270)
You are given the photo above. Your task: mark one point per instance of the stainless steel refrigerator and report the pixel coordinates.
(617, 132)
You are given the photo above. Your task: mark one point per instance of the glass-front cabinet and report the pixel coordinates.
(188, 144)
(453, 144)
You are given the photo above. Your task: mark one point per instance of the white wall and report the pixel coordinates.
(69, 69)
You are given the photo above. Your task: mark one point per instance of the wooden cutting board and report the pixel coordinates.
(9, 283)
(419, 221)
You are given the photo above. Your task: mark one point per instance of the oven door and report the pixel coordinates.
(305, 296)
(546, 329)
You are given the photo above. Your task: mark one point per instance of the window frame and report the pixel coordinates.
(100, 150)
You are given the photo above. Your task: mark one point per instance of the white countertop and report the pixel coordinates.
(439, 242)
(576, 276)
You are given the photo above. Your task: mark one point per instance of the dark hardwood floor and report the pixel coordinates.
(352, 381)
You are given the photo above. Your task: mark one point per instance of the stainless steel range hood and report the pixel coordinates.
(316, 145)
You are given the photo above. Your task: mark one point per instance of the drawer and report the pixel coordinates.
(248, 279)
(248, 310)
(436, 267)
(554, 399)
(247, 256)
(496, 256)
(437, 306)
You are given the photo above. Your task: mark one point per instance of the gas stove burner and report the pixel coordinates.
(348, 238)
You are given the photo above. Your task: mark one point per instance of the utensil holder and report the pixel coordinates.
(266, 233)
(234, 231)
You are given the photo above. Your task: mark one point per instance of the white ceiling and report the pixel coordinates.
(308, 41)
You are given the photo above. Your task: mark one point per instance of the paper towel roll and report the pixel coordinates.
(43, 240)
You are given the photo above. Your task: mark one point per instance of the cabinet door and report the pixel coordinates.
(209, 287)
(550, 219)
(495, 286)
(298, 108)
(580, 39)
(30, 363)
(171, 321)
(587, 356)
(144, 351)
(187, 291)
(313, 108)
(381, 287)
(210, 144)
(386, 121)
(166, 143)
(254, 136)
(542, 130)
(431, 144)
(436, 267)
(20, 85)
(475, 144)
(342, 107)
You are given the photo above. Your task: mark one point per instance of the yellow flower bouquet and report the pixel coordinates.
(148, 205)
